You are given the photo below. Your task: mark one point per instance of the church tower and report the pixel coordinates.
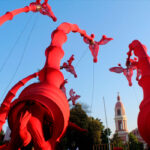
(121, 120)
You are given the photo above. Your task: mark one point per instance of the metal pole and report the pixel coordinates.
(106, 122)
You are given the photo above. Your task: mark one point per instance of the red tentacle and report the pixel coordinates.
(10, 15)
(11, 94)
(54, 53)
(44, 9)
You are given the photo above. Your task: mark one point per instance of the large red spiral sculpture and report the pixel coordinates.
(41, 112)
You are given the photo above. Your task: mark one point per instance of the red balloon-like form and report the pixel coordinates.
(44, 9)
(41, 112)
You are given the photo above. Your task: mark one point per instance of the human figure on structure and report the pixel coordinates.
(45, 9)
(69, 67)
(73, 96)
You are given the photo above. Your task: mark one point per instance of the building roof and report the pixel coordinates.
(120, 105)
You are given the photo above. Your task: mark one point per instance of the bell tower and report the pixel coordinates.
(121, 120)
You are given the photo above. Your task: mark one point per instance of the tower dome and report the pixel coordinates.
(119, 107)
(121, 120)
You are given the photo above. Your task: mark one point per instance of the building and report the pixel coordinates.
(137, 134)
(121, 123)
(121, 120)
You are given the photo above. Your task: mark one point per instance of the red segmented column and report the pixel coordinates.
(54, 53)
(51, 74)
(10, 15)
(44, 9)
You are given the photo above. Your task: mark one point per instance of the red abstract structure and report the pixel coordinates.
(94, 46)
(142, 64)
(128, 72)
(69, 67)
(73, 96)
(44, 9)
(62, 86)
(41, 112)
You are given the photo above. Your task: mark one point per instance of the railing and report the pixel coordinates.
(112, 147)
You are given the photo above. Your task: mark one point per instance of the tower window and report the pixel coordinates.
(118, 112)
(120, 125)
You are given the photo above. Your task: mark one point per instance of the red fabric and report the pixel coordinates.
(104, 40)
(128, 72)
(76, 127)
(69, 67)
(116, 69)
(4, 147)
(10, 15)
(142, 65)
(94, 46)
(45, 10)
(4, 109)
(62, 87)
(117, 148)
(73, 96)
(27, 114)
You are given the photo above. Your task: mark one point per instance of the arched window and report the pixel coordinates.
(118, 112)
(120, 125)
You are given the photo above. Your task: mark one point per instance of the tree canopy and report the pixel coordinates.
(96, 132)
(134, 143)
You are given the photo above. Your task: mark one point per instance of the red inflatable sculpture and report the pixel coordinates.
(69, 67)
(142, 65)
(128, 72)
(73, 97)
(44, 9)
(41, 112)
(94, 46)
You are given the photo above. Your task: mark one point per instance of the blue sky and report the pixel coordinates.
(123, 20)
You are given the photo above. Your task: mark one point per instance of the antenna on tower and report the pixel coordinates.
(118, 97)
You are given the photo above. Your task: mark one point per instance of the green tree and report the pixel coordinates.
(105, 135)
(95, 129)
(84, 140)
(79, 116)
(116, 140)
(1, 137)
(134, 144)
